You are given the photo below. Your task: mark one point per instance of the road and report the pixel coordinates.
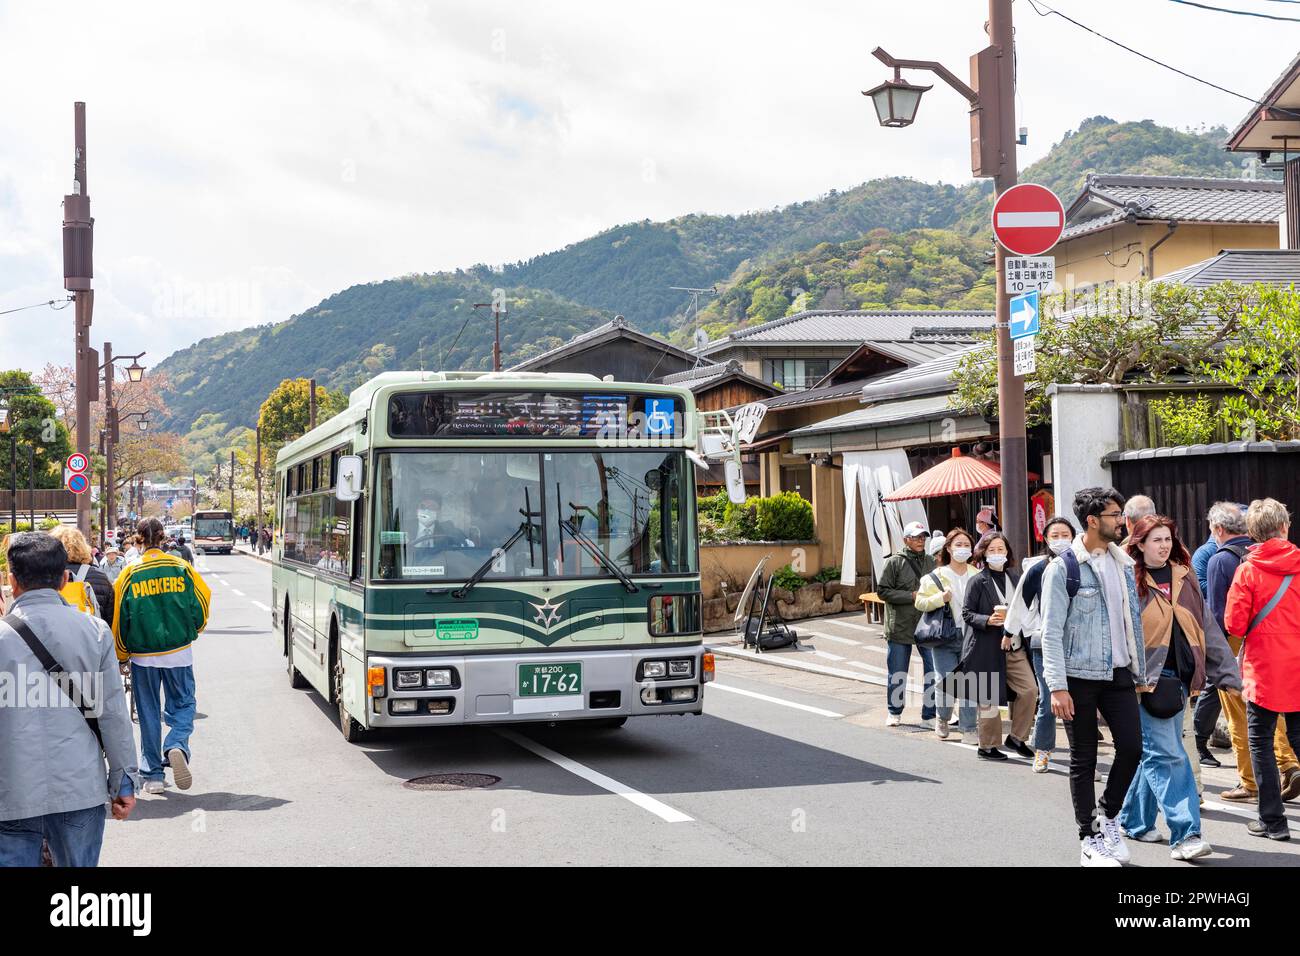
(784, 767)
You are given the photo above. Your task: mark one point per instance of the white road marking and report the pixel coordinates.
(840, 640)
(868, 667)
(224, 582)
(783, 661)
(658, 808)
(843, 623)
(260, 606)
(237, 591)
(828, 655)
(774, 700)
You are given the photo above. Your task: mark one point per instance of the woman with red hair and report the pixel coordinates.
(1182, 643)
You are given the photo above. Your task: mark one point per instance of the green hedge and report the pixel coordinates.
(784, 517)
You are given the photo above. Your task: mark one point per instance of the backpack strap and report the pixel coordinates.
(1071, 562)
(82, 571)
(1238, 549)
(56, 671)
(1267, 609)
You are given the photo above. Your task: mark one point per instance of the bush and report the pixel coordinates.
(784, 517)
(788, 578)
(827, 575)
(714, 507)
(740, 521)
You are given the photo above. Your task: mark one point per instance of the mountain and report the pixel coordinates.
(893, 242)
(407, 323)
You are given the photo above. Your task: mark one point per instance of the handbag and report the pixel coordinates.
(935, 627)
(1167, 699)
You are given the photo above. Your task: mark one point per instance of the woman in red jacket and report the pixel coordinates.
(1264, 607)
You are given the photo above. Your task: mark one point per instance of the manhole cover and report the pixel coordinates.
(451, 781)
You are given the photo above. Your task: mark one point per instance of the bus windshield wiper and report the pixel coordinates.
(571, 525)
(525, 528)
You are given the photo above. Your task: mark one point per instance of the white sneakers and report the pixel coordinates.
(1042, 761)
(893, 720)
(1193, 848)
(154, 786)
(1151, 836)
(1094, 852)
(928, 724)
(1113, 835)
(941, 728)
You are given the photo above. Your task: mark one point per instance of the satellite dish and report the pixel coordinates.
(741, 613)
(701, 338)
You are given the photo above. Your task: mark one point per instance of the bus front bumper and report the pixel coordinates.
(490, 689)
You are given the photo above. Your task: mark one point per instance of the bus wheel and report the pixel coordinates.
(352, 731)
(296, 680)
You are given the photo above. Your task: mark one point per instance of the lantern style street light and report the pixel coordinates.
(135, 371)
(896, 100)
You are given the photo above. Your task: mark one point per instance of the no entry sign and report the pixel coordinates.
(1028, 219)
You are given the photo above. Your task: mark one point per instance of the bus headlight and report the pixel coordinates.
(407, 679)
(439, 677)
(653, 670)
(679, 668)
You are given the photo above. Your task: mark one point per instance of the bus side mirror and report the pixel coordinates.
(348, 486)
(735, 481)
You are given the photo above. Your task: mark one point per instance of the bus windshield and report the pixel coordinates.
(215, 526)
(445, 514)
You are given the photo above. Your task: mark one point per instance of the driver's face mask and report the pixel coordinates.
(427, 515)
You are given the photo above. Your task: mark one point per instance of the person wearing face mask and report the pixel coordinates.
(1182, 644)
(994, 663)
(431, 529)
(1025, 617)
(946, 587)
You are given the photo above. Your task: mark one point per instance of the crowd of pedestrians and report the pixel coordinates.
(67, 750)
(1116, 621)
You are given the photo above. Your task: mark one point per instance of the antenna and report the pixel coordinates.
(693, 312)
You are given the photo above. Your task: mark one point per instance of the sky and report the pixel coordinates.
(246, 160)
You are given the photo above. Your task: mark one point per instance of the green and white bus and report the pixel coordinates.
(482, 548)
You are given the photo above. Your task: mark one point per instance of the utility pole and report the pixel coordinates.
(257, 474)
(78, 270)
(992, 98)
(311, 404)
(109, 435)
(232, 484)
(103, 492)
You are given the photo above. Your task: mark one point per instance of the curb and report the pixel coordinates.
(249, 554)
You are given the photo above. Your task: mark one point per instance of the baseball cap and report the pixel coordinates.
(915, 529)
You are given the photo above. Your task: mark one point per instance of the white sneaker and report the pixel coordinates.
(154, 786)
(1096, 776)
(1151, 836)
(1042, 761)
(1193, 848)
(1093, 852)
(928, 724)
(1114, 837)
(893, 720)
(941, 728)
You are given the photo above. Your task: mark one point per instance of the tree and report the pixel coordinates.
(1263, 364)
(1145, 332)
(33, 420)
(147, 455)
(284, 415)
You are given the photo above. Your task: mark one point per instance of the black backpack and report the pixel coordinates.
(1071, 562)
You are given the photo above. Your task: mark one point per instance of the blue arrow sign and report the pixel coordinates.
(1024, 315)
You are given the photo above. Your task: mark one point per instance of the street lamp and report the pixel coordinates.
(135, 371)
(896, 100)
(993, 139)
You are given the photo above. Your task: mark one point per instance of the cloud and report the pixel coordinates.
(245, 165)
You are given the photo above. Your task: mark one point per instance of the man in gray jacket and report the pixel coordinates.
(53, 785)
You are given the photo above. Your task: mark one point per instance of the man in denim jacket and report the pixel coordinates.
(1093, 660)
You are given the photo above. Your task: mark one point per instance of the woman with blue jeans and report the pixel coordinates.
(945, 586)
(1025, 618)
(1183, 644)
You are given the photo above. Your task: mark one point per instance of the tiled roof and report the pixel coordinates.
(816, 396)
(706, 376)
(1279, 267)
(1218, 448)
(1107, 200)
(615, 328)
(849, 327)
(886, 413)
(927, 378)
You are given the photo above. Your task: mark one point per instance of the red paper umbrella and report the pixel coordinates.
(953, 476)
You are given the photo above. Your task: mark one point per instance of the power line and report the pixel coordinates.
(1240, 13)
(40, 305)
(1150, 59)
